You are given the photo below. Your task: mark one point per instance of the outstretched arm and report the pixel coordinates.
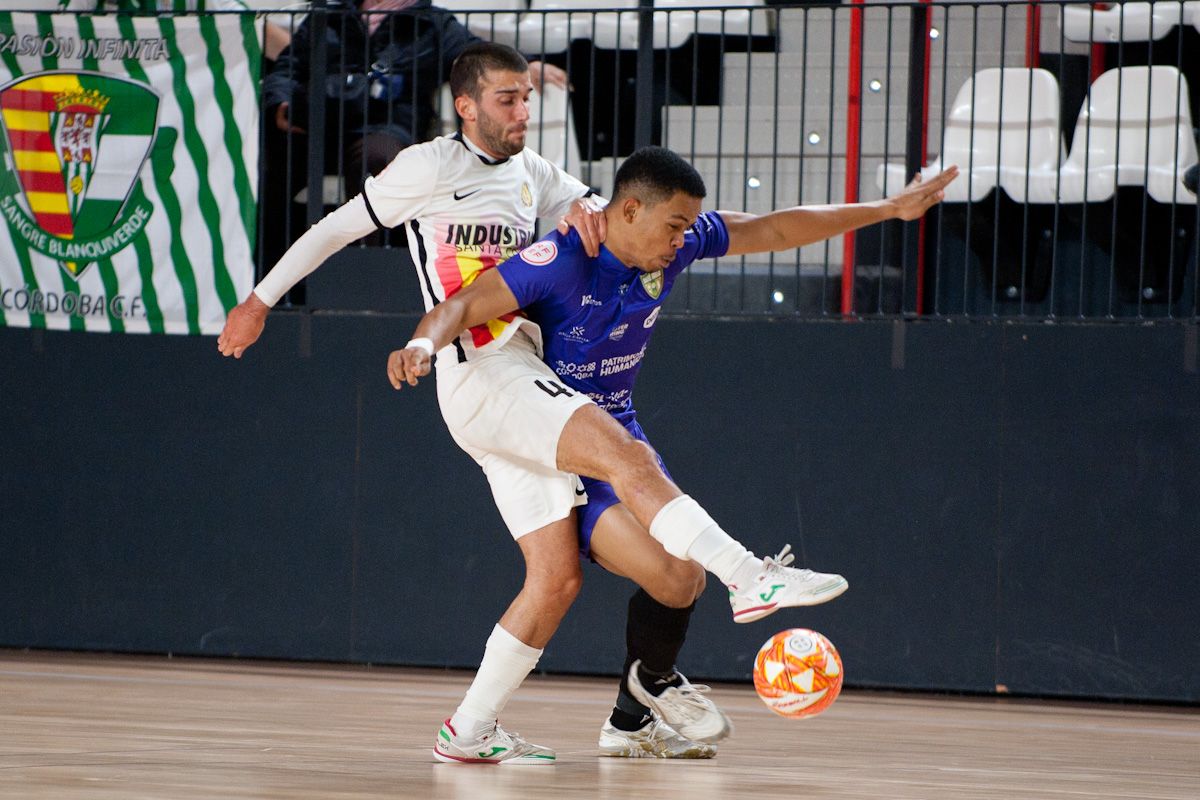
(487, 298)
(398, 193)
(796, 227)
(245, 321)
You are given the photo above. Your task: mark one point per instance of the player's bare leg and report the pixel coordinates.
(656, 628)
(553, 578)
(594, 444)
(623, 547)
(552, 581)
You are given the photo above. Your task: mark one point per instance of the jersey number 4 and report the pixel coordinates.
(554, 388)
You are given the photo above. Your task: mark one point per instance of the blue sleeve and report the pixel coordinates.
(707, 238)
(541, 270)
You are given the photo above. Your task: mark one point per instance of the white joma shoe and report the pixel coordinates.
(780, 586)
(497, 746)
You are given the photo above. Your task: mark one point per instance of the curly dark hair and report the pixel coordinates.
(654, 174)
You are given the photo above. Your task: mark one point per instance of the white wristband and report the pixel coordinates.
(423, 343)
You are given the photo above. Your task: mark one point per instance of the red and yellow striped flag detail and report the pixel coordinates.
(26, 113)
(458, 269)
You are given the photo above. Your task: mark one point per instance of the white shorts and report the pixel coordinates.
(507, 409)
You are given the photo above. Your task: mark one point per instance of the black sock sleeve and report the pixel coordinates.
(655, 633)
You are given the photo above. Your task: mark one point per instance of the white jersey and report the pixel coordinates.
(464, 213)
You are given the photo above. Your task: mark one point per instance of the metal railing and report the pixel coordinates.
(1072, 127)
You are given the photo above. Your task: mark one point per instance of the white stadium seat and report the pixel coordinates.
(458, 6)
(554, 32)
(556, 23)
(1134, 129)
(618, 30)
(500, 25)
(730, 21)
(1002, 128)
(1130, 22)
(552, 128)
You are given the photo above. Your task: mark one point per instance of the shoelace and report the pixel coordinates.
(782, 558)
(659, 730)
(657, 726)
(511, 738)
(693, 695)
(666, 736)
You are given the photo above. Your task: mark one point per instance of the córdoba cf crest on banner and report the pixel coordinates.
(74, 144)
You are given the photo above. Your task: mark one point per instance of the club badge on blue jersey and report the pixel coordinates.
(652, 282)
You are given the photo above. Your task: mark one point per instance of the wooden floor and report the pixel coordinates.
(151, 727)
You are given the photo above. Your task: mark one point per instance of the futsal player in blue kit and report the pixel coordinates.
(595, 317)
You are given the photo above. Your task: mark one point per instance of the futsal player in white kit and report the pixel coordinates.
(468, 202)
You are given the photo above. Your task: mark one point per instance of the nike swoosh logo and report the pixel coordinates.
(465, 195)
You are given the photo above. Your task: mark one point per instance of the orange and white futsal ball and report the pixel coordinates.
(798, 673)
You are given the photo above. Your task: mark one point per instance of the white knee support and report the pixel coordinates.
(678, 524)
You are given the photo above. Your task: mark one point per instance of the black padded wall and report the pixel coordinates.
(1015, 506)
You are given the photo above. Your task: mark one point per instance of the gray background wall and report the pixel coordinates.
(1014, 505)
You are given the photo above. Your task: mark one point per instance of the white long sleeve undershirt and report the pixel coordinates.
(331, 234)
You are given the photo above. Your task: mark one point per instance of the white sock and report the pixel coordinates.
(724, 557)
(685, 530)
(506, 662)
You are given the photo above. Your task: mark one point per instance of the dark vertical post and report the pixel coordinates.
(644, 123)
(319, 22)
(914, 149)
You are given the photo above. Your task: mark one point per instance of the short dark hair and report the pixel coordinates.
(654, 174)
(477, 59)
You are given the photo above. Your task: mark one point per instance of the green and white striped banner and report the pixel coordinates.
(128, 170)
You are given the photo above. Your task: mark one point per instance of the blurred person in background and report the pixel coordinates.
(385, 60)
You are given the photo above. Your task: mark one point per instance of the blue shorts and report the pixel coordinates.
(601, 496)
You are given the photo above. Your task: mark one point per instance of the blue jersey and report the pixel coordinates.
(596, 314)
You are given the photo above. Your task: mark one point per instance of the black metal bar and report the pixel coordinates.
(716, 195)
(1116, 179)
(1025, 205)
(774, 170)
(800, 151)
(914, 150)
(1141, 285)
(997, 192)
(1052, 307)
(833, 40)
(941, 208)
(746, 158)
(644, 123)
(970, 176)
(319, 22)
(1087, 144)
(1179, 100)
